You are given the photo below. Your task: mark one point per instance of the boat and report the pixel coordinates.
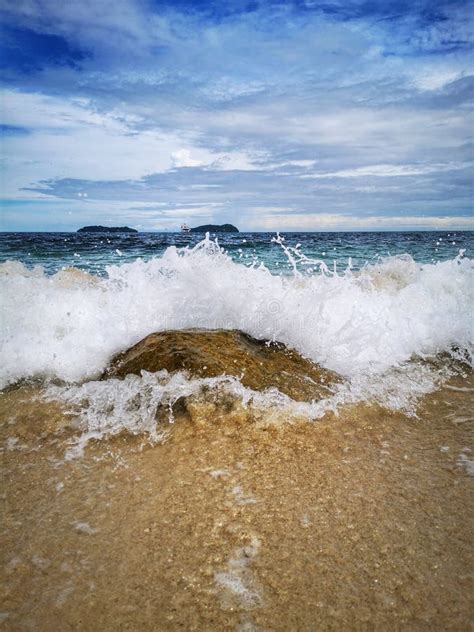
(185, 228)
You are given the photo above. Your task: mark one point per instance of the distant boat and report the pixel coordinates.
(185, 228)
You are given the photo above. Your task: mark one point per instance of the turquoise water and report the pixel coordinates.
(94, 252)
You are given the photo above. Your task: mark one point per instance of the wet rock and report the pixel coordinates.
(203, 353)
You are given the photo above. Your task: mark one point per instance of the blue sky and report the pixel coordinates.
(275, 115)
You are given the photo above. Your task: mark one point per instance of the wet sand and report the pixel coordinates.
(356, 522)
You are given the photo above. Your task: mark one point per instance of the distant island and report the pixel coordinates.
(106, 229)
(215, 228)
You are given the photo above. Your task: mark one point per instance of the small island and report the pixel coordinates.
(107, 229)
(215, 228)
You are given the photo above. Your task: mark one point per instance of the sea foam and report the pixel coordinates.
(139, 404)
(69, 325)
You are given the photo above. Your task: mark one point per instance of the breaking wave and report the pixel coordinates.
(69, 325)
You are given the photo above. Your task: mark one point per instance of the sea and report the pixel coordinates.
(169, 500)
(94, 252)
(356, 303)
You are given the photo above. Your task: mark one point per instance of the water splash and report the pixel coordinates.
(67, 327)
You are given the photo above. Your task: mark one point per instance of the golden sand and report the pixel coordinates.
(356, 522)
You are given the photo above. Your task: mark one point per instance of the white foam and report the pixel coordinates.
(465, 462)
(84, 527)
(69, 325)
(237, 580)
(109, 407)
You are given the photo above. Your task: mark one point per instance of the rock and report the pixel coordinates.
(107, 229)
(209, 353)
(215, 228)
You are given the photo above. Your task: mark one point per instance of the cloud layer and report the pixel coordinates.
(283, 115)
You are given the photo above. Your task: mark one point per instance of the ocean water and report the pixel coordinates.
(94, 252)
(373, 307)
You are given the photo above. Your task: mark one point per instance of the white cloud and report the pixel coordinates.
(70, 139)
(182, 158)
(98, 26)
(431, 78)
(387, 171)
(176, 93)
(333, 221)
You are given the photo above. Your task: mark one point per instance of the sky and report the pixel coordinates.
(272, 115)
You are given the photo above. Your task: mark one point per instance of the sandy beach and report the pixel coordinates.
(359, 521)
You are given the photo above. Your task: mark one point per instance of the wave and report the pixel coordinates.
(147, 404)
(69, 325)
